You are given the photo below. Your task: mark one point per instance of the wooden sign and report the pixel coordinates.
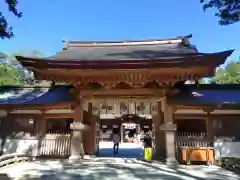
(129, 126)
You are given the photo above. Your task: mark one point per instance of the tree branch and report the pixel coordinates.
(5, 29)
(228, 11)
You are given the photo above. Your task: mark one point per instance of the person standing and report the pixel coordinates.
(147, 147)
(116, 140)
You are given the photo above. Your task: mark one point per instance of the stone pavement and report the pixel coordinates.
(126, 150)
(111, 169)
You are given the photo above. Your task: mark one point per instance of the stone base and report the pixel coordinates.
(75, 157)
(171, 162)
(87, 157)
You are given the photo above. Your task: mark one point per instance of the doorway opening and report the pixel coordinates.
(129, 132)
(131, 128)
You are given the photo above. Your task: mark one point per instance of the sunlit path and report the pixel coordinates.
(126, 150)
(111, 168)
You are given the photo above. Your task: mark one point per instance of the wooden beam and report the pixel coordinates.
(206, 107)
(204, 116)
(189, 116)
(162, 75)
(106, 93)
(42, 116)
(58, 116)
(40, 107)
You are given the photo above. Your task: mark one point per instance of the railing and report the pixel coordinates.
(191, 134)
(192, 139)
(194, 147)
(13, 158)
(56, 145)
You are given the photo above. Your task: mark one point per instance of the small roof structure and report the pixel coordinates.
(219, 96)
(36, 96)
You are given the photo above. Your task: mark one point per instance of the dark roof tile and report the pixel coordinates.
(127, 50)
(37, 96)
(207, 97)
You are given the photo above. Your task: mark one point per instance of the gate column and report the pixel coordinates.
(41, 124)
(158, 120)
(77, 126)
(89, 135)
(169, 128)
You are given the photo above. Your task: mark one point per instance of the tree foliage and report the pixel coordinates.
(12, 72)
(228, 75)
(5, 29)
(2, 56)
(10, 75)
(30, 79)
(228, 11)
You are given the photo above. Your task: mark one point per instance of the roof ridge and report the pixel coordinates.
(179, 39)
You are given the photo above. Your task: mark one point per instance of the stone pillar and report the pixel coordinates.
(158, 120)
(89, 135)
(169, 128)
(77, 126)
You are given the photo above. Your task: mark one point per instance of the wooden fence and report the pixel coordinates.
(189, 139)
(55, 145)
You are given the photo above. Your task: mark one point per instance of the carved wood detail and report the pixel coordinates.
(136, 78)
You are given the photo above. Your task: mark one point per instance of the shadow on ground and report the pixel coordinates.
(5, 177)
(110, 168)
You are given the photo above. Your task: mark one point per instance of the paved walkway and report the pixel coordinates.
(126, 150)
(111, 169)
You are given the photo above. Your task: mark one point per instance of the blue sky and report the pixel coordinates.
(46, 22)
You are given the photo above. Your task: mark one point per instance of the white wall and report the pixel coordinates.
(20, 146)
(225, 148)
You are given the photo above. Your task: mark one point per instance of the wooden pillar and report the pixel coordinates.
(89, 135)
(41, 127)
(158, 120)
(77, 126)
(209, 127)
(169, 128)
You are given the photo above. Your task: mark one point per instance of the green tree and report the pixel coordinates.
(228, 11)
(12, 71)
(202, 81)
(10, 75)
(2, 55)
(228, 75)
